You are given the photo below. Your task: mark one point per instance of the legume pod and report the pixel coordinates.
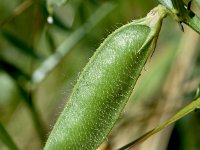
(105, 85)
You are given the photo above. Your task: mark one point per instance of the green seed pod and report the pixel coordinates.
(105, 85)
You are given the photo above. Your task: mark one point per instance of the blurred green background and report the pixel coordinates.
(40, 62)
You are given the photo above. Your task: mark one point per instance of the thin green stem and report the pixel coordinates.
(17, 11)
(39, 125)
(183, 112)
(6, 139)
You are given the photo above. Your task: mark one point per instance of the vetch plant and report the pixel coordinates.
(105, 84)
(108, 79)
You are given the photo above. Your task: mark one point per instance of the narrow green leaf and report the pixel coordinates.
(193, 21)
(197, 92)
(51, 3)
(50, 41)
(183, 112)
(6, 139)
(180, 8)
(36, 117)
(13, 71)
(59, 23)
(21, 45)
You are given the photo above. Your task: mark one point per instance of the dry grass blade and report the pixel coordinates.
(17, 11)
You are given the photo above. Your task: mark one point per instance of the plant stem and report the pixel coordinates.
(183, 112)
(39, 125)
(6, 139)
(17, 11)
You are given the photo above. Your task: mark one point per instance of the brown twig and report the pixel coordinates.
(17, 11)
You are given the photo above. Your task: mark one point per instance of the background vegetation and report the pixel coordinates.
(40, 62)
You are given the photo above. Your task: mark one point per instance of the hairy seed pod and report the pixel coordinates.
(105, 85)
